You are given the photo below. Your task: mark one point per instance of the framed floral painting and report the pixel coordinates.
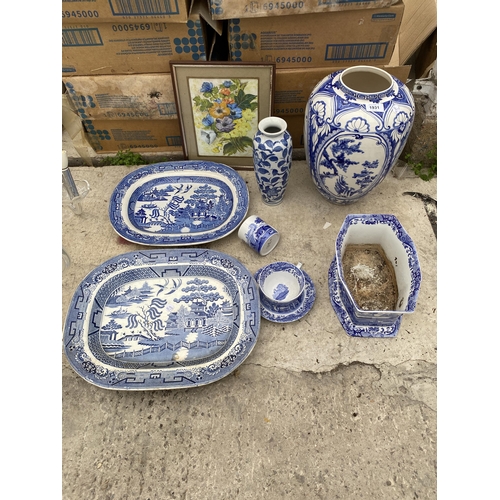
(219, 106)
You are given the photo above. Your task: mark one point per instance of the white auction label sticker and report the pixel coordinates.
(374, 106)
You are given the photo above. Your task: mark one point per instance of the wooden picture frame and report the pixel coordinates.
(219, 105)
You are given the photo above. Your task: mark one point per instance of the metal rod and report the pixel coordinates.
(70, 186)
(67, 178)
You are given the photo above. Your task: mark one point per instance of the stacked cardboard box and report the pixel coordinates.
(309, 39)
(230, 9)
(116, 55)
(318, 40)
(121, 112)
(116, 61)
(419, 22)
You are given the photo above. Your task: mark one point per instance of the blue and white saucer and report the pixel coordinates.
(345, 320)
(304, 307)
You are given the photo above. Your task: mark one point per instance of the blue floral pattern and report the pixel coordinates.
(272, 160)
(352, 139)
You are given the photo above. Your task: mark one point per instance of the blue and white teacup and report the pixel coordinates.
(258, 235)
(281, 286)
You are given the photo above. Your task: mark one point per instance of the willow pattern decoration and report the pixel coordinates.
(219, 107)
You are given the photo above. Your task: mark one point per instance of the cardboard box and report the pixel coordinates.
(233, 9)
(294, 86)
(318, 40)
(74, 136)
(425, 58)
(116, 48)
(295, 126)
(108, 136)
(136, 11)
(419, 21)
(116, 97)
(96, 48)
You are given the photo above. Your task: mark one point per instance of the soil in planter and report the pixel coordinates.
(370, 277)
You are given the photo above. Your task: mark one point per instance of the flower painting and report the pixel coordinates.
(219, 106)
(225, 114)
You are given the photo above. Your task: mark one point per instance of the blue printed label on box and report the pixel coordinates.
(103, 11)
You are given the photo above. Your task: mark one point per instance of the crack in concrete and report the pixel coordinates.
(412, 380)
(340, 366)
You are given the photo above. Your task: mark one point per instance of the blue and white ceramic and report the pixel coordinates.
(384, 230)
(272, 158)
(351, 328)
(259, 235)
(178, 203)
(281, 286)
(162, 319)
(357, 122)
(295, 310)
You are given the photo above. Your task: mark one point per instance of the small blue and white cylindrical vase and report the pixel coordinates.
(272, 158)
(259, 235)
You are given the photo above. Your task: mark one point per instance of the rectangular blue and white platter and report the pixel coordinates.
(162, 319)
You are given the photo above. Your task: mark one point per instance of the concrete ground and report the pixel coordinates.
(311, 414)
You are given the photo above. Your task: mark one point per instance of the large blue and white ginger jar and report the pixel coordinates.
(357, 122)
(272, 158)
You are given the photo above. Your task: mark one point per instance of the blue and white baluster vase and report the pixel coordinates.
(272, 158)
(357, 122)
